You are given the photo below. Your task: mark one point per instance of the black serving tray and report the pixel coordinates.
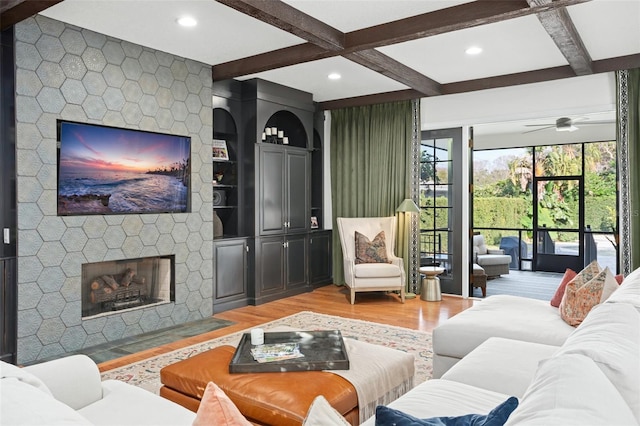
(322, 350)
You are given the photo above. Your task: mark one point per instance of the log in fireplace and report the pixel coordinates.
(126, 284)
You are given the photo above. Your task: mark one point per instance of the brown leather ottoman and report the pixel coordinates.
(263, 398)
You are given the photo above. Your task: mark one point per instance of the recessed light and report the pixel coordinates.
(187, 21)
(473, 50)
(334, 76)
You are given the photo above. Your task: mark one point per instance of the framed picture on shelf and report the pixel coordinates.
(314, 222)
(219, 150)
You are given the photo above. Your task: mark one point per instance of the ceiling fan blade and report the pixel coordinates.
(542, 128)
(582, 123)
(539, 125)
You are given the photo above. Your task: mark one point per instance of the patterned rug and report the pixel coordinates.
(146, 373)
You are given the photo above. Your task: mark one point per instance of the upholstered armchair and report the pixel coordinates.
(494, 262)
(369, 261)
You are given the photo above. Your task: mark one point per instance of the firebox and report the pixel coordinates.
(127, 284)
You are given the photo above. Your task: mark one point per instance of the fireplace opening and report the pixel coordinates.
(127, 284)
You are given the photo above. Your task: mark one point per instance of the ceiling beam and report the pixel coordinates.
(281, 15)
(558, 24)
(537, 76)
(14, 11)
(383, 64)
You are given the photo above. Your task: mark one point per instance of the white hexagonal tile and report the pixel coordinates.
(95, 227)
(72, 264)
(132, 91)
(179, 70)
(95, 250)
(72, 41)
(51, 306)
(73, 66)
(28, 162)
(51, 100)
(131, 50)
(51, 253)
(50, 74)
(51, 279)
(94, 107)
(149, 321)
(28, 109)
(114, 328)
(27, 56)
(148, 105)
(149, 123)
(149, 235)
(113, 99)
(71, 315)
(179, 91)
(132, 246)
(29, 321)
(194, 84)
(94, 83)
(73, 339)
(114, 76)
(93, 59)
(164, 118)
(193, 123)
(29, 295)
(179, 111)
(74, 239)
(51, 228)
(50, 48)
(131, 113)
(28, 31)
(194, 261)
(164, 77)
(113, 52)
(50, 26)
(148, 83)
(73, 91)
(27, 83)
(29, 189)
(132, 225)
(165, 244)
(94, 39)
(114, 237)
(28, 349)
(131, 69)
(71, 289)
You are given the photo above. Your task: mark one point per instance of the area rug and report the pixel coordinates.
(146, 373)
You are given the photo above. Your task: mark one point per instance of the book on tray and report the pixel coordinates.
(276, 352)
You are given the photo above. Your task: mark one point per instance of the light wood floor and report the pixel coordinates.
(332, 300)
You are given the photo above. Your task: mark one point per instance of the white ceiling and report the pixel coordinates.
(608, 28)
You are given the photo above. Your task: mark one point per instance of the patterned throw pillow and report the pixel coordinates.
(569, 274)
(368, 251)
(581, 295)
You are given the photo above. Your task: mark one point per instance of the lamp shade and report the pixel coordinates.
(408, 206)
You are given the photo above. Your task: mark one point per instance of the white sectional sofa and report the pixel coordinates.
(503, 346)
(69, 391)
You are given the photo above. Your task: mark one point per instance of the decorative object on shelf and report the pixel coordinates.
(219, 198)
(219, 150)
(274, 136)
(218, 230)
(218, 175)
(314, 222)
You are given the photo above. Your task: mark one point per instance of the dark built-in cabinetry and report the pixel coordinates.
(266, 193)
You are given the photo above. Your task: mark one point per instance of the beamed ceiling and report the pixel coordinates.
(386, 50)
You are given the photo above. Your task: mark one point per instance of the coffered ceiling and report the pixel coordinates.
(384, 50)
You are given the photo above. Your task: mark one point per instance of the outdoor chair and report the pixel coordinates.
(494, 262)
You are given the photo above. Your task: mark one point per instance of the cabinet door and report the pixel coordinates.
(272, 190)
(296, 249)
(320, 271)
(298, 194)
(230, 279)
(270, 270)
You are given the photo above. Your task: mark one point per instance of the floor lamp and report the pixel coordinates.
(406, 208)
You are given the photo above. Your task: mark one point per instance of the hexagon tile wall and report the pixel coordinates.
(71, 73)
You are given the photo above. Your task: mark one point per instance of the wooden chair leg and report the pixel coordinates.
(353, 296)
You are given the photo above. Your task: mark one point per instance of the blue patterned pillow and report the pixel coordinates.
(386, 416)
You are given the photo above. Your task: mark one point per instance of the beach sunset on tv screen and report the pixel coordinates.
(108, 170)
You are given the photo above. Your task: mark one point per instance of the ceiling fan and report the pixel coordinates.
(565, 124)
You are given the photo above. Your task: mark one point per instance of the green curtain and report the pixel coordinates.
(633, 129)
(370, 164)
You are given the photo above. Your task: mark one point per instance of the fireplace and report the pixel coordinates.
(127, 284)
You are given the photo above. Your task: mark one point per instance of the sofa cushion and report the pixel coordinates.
(479, 246)
(368, 251)
(569, 274)
(511, 317)
(610, 337)
(135, 406)
(629, 290)
(24, 404)
(376, 270)
(216, 408)
(493, 259)
(11, 371)
(582, 294)
(571, 390)
(439, 398)
(501, 365)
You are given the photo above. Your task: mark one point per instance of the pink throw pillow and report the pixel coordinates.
(619, 278)
(569, 274)
(217, 409)
(581, 296)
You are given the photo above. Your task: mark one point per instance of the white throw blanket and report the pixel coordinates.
(378, 374)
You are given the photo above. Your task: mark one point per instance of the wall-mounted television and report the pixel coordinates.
(110, 170)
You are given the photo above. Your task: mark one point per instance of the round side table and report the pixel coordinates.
(431, 284)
